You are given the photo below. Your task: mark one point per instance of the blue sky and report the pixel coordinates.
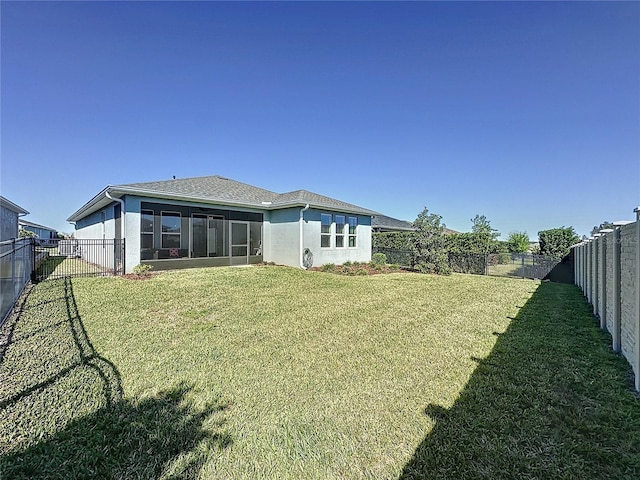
(528, 113)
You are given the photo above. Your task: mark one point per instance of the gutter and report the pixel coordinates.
(301, 223)
(123, 224)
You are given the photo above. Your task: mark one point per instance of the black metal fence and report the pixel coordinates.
(25, 259)
(78, 258)
(516, 265)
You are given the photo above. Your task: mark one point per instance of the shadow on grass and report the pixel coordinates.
(62, 409)
(550, 401)
(49, 265)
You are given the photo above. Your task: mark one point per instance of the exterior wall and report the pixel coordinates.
(281, 234)
(609, 278)
(282, 237)
(321, 255)
(8, 224)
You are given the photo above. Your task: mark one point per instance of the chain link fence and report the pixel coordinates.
(515, 265)
(16, 266)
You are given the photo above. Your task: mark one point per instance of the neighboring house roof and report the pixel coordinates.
(216, 190)
(26, 223)
(9, 205)
(383, 222)
(389, 224)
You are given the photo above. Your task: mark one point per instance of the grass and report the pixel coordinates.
(272, 372)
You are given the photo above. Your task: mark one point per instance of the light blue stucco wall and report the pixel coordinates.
(284, 239)
(360, 253)
(281, 233)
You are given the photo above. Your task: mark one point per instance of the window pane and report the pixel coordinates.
(352, 240)
(325, 229)
(146, 241)
(325, 219)
(170, 222)
(339, 241)
(325, 241)
(146, 221)
(353, 223)
(340, 219)
(170, 241)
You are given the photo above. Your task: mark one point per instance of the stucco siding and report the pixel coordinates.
(282, 237)
(8, 224)
(322, 255)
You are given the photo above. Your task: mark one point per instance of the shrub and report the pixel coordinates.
(556, 242)
(362, 271)
(428, 244)
(328, 267)
(142, 270)
(392, 240)
(379, 259)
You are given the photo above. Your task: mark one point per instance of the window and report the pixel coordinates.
(325, 230)
(340, 222)
(353, 225)
(146, 229)
(170, 229)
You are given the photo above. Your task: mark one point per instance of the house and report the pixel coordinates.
(45, 235)
(383, 223)
(9, 213)
(215, 221)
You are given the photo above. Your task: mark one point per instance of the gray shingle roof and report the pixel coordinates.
(316, 200)
(389, 223)
(216, 189)
(210, 188)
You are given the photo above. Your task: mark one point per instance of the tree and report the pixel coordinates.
(557, 241)
(487, 236)
(22, 233)
(602, 226)
(518, 242)
(428, 244)
(480, 224)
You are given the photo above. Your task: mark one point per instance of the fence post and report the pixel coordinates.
(637, 292)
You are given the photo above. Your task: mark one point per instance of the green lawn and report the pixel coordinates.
(274, 372)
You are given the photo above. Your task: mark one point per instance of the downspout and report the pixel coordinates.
(123, 226)
(123, 230)
(301, 223)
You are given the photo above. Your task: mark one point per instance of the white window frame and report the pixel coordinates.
(162, 234)
(146, 211)
(352, 235)
(338, 233)
(325, 234)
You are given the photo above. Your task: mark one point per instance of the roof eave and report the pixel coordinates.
(8, 204)
(333, 208)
